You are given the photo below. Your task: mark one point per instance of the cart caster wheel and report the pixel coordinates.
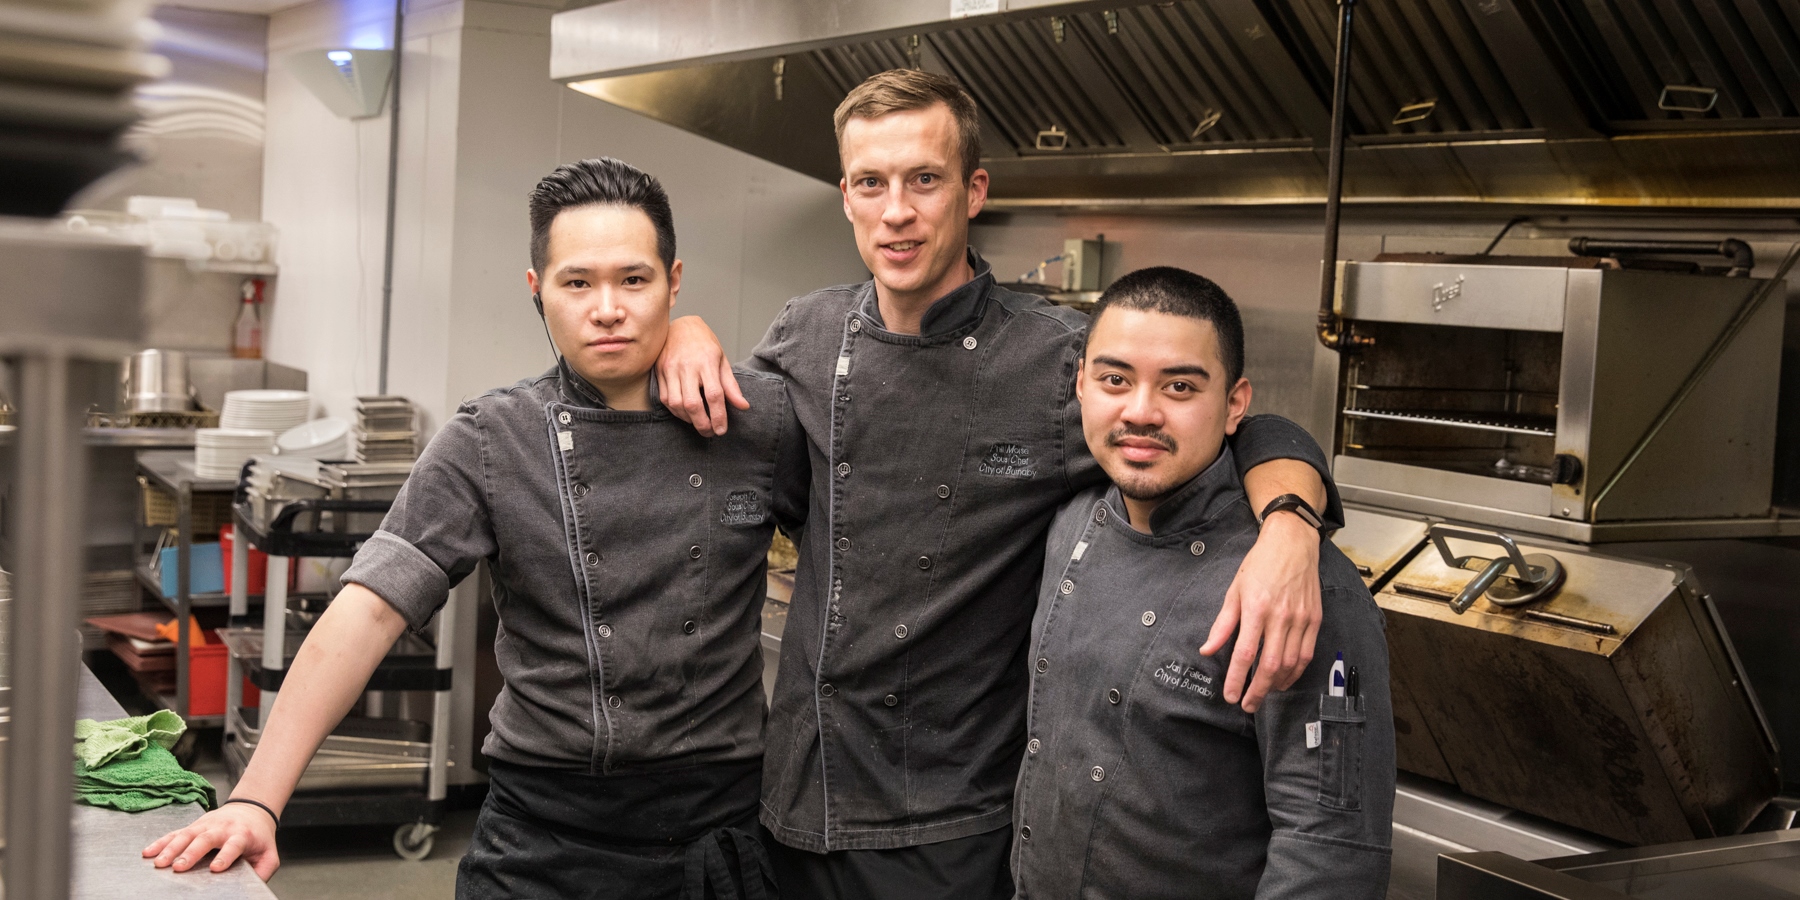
(413, 841)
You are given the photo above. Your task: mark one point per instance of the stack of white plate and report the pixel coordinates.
(326, 438)
(266, 410)
(220, 453)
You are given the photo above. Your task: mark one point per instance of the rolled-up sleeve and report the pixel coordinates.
(1260, 439)
(438, 530)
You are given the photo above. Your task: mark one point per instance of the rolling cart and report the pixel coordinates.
(370, 770)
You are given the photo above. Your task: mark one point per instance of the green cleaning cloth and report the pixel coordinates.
(126, 764)
(98, 743)
(150, 780)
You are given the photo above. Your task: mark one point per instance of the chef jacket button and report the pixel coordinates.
(696, 480)
(843, 469)
(1100, 515)
(689, 627)
(826, 690)
(924, 562)
(694, 551)
(1112, 696)
(843, 543)
(581, 489)
(855, 324)
(900, 631)
(1148, 618)
(891, 700)
(1043, 665)
(969, 342)
(592, 559)
(943, 492)
(1033, 745)
(1067, 587)
(614, 701)
(562, 417)
(605, 631)
(1024, 832)
(1197, 547)
(1098, 774)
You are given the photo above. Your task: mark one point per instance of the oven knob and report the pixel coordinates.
(1565, 469)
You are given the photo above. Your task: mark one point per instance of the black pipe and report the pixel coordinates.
(1743, 259)
(393, 181)
(1331, 328)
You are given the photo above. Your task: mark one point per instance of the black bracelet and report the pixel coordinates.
(259, 805)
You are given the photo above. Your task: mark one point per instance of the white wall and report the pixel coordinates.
(324, 188)
(480, 123)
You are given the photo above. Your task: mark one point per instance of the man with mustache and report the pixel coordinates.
(1294, 800)
(943, 435)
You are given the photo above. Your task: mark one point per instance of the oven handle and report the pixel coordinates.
(1538, 581)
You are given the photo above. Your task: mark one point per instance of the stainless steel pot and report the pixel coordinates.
(155, 381)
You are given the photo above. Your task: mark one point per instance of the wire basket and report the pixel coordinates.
(199, 418)
(212, 509)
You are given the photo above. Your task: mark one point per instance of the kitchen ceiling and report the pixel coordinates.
(1589, 102)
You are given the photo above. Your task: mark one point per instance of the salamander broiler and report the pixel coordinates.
(1497, 417)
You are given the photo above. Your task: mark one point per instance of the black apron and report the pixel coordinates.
(685, 834)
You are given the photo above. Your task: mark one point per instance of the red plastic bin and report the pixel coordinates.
(206, 679)
(259, 563)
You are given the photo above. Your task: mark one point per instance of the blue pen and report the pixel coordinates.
(1337, 677)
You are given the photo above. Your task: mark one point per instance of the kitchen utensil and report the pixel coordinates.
(155, 381)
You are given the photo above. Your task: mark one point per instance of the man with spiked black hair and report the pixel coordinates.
(627, 554)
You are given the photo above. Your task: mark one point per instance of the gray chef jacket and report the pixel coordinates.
(1139, 780)
(628, 557)
(938, 460)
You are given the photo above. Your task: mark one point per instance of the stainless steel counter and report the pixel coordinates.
(135, 438)
(108, 843)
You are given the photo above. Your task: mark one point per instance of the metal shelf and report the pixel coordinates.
(209, 599)
(1507, 423)
(167, 701)
(410, 665)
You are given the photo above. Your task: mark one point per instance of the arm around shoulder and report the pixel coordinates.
(1275, 456)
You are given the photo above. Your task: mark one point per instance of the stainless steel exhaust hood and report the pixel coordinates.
(1589, 102)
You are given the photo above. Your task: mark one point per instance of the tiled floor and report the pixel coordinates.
(320, 863)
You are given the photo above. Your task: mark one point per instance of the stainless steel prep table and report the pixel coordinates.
(107, 843)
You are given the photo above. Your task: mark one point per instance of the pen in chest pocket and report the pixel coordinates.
(1336, 688)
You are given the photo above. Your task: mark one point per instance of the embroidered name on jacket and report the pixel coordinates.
(1008, 460)
(1179, 676)
(742, 508)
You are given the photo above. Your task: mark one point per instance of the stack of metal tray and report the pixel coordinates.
(276, 481)
(360, 753)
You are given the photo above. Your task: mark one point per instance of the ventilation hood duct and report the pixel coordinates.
(1676, 103)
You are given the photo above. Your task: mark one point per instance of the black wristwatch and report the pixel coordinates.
(1295, 504)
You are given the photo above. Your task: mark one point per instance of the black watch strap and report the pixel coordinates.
(1297, 505)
